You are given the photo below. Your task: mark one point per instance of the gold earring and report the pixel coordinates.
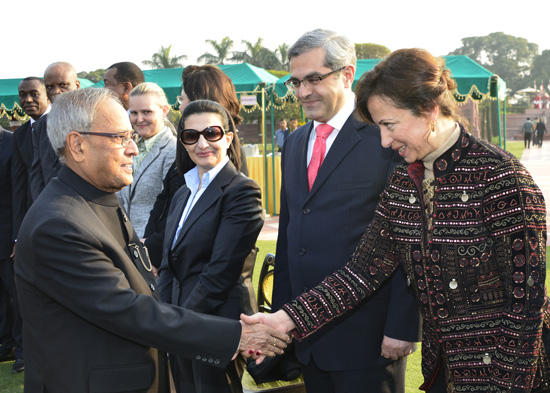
(432, 126)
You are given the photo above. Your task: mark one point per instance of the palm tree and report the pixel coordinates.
(162, 59)
(222, 49)
(282, 52)
(256, 54)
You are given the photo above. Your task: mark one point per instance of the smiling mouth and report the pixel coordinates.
(401, 149)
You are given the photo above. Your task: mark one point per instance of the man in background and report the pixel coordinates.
(35, 103)
(11, 333)
(121, 78)
(281, 134)
(59, 77)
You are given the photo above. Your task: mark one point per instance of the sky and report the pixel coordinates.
(96, 34)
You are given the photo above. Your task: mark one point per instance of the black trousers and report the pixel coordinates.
(11, 326)
(389, 378)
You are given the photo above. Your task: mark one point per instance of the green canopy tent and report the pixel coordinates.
(245, 77)
(472, 80)
(9, 97)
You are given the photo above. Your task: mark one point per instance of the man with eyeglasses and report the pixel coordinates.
(92, 316)
(333, 171)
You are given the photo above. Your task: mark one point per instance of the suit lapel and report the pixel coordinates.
(148, 159)
(210, 196)
(175, 217)
(347, 138)
(302, 144)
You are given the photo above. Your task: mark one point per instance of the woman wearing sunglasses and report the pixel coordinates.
(213, 223)
(206, 82)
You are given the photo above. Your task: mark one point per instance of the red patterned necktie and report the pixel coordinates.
(319, 149)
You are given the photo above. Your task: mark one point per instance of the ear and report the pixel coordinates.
(127, 87)
(74, 146)
(349, 75)
(77, 83)
(434, 113)
(229, 136)
(165, 110)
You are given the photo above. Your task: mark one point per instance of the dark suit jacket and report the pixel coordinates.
(21, 169)
(45, 163)
(207, 263)
(89, 304)
(319, 230)
(6, 211)
(156, 225)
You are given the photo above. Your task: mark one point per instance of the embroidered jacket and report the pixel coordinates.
(478, 270)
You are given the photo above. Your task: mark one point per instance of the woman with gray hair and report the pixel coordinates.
(157, 150)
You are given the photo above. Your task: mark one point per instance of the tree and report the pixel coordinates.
(371, 51)
(507, 56)
(94, 76)
(222, 52)
(282, 53)
(162, 59)
(256, 54)
(540, 72)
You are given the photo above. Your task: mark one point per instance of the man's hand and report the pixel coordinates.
(396, 349)
(12, 256)
(259, 340)
(279, 321)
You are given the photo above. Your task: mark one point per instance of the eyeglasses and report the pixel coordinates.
(211, 134)
(293, 84)
(125, 137)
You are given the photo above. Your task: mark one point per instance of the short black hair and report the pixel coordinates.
(128, 72)
(33, 78)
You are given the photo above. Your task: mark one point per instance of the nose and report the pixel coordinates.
(386, 138)
(202, 143)
(302, 91)
(131, 148)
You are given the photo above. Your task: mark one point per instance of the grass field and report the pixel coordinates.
(14, 383)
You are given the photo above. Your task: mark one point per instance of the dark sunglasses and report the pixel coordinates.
(211, 134)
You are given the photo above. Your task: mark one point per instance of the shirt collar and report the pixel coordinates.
(192, 176)
(338, 121)
(48, 109)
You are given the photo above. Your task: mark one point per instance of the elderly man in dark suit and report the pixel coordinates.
(333, 171)
(10, 320)
(35, 103)
(58, 78)
(92, 319)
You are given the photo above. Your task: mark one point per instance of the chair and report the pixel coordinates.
(265, 283)
(265, 289)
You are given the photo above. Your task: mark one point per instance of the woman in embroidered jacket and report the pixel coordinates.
(468, 224)
(157, 151)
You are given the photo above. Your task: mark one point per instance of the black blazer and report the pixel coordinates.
(89, 302)
(318, 232)
(206, 270)
(21, 169)
(45, 163)
(154, 230)
(6, 211)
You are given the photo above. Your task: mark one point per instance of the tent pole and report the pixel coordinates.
(273, 151)
(265, 150)
(504, 121)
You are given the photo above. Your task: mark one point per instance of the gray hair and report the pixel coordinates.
(74, 111)
(340, 51)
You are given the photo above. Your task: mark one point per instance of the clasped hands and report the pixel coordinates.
(265, 335)
(274, 337)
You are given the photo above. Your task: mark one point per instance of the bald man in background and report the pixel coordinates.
(59, 77)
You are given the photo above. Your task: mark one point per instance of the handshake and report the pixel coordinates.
(265, 335)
